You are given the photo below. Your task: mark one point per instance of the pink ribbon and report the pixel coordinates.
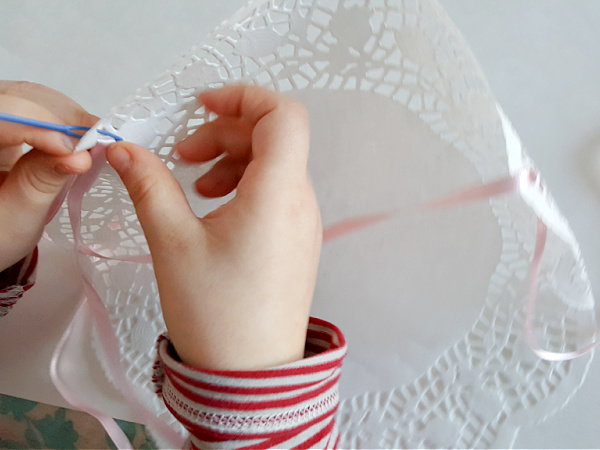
(530, 338)
(109, 424)
(106, 336)
(511, 185)
(504, 186)
(108, 340)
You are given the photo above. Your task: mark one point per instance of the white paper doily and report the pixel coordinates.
(431, 304)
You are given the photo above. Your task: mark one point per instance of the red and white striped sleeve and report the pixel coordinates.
(15, 280)
(290, 406)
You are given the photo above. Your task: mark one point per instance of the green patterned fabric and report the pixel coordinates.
(25, 424)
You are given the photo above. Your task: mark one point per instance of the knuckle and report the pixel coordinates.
(43, 182)
(178, 239)
(144, 189)
(25, 87)
(9, 157)
(28, 85)
(6, 87)
(295, 111)
(302, 209)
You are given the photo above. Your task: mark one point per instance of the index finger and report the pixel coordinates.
(13, 134)
(280, 136)
(249, 102)
(64, 109)
(48, 141)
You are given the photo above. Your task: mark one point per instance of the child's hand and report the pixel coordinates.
(29, 183)
(235, 286)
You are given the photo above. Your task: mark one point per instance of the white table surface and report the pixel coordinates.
(541, 60)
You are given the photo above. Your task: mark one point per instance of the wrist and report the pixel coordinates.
(241, 343)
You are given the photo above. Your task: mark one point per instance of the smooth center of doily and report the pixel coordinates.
(399, 302)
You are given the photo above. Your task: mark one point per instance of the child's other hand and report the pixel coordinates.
(29, 183)
(236, 286)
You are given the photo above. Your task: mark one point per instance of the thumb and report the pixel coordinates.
(162, 208)
(26, 196)
(33, 183)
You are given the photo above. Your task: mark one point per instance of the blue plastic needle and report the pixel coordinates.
(69, 130)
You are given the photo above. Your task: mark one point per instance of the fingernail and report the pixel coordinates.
(63, 169)
(68, 142)
(177, 149)
(118, 157)
(206, 90)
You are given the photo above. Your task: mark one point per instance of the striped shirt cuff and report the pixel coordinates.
(290, 406)
(15, 280)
